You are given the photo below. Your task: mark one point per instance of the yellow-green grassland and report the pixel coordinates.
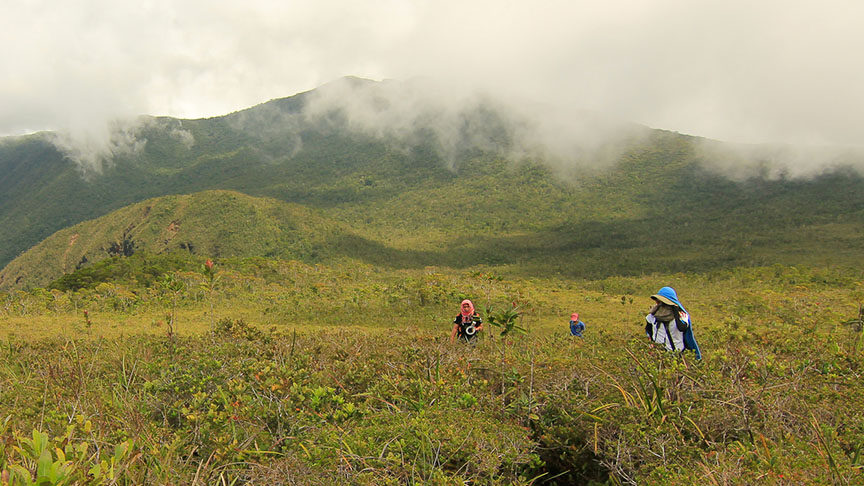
(259, 371)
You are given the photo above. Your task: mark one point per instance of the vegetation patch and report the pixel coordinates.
(281, 372)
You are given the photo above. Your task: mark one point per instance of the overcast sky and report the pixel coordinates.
(750, 71)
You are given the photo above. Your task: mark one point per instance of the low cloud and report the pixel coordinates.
(462, 120)
(185, 137)
(772, 71)
(458, 122)
(94, 150)
(775, 161)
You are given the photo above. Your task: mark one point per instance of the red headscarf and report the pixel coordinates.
(574, 317)
(469, 312)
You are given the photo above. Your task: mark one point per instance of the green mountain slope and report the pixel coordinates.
(264, 151)
(210, 224)
(410, 204)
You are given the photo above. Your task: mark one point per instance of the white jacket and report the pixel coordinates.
(660, 335)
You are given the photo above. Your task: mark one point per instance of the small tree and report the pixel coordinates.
(506, 321)
(209, 285)
(171, 287)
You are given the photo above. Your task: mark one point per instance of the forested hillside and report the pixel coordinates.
(409, 201)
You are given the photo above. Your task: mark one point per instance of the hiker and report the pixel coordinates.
(668, 323)
(467, 323)
(577, 327)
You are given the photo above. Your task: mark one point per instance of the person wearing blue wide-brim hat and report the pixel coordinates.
(668, 323)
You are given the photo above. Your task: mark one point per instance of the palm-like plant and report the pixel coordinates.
(506, 321)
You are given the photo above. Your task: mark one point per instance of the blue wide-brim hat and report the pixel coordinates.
(668, 296)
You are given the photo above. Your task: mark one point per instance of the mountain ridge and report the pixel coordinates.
(210, 223)
(403, 196)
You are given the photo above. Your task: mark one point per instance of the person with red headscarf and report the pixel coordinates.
(467, 323)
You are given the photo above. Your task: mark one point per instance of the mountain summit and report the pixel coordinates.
(432, 178)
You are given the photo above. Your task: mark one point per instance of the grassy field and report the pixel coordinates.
(280, 372)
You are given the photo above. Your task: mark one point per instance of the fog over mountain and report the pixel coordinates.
(770, 72)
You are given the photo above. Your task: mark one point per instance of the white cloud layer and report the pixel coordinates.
(767, 71)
